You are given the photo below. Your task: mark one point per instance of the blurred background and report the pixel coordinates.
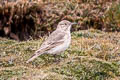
(23, 19)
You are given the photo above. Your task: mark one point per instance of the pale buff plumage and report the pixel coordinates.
(57, 42)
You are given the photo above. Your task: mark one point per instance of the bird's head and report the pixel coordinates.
(65, 25)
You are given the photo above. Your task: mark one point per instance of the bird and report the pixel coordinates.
(57, 42)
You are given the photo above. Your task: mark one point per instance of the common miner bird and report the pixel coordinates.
(57, 42)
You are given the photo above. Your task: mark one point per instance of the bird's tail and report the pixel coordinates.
(36, 54)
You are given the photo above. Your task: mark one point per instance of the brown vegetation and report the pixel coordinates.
(18, 19)
(23, 19)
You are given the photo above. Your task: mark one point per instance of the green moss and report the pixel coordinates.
(7, 74)
(88, 70)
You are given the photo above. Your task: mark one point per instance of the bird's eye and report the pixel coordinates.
(65, 24)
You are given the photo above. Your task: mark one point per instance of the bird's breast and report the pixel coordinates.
(67, 40)
(63, 46)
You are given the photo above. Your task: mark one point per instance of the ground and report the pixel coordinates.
(93, 55)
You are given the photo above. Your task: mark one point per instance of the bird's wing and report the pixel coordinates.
(55, 39)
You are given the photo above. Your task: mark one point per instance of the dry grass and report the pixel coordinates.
(93, 55)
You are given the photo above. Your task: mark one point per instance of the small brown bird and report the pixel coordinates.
(58, 41)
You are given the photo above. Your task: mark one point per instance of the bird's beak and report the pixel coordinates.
(73, 23)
